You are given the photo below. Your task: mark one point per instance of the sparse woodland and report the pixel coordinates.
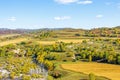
(29, 59)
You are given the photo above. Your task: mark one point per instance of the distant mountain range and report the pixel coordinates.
(11, 31)
(22, 31)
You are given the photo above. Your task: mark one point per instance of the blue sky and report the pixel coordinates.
(34, 14)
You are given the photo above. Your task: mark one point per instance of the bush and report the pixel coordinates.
(64, 60)
(12, 75)
(49, 77)
(77, 34)
(78, 57)
(118, 59)
(56, 74)
(36, 76)
(23, 43)
(74, 60)
(91, 76)
(26, 77)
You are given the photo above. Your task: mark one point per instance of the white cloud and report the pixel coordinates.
(62, 18)
(99, 16)
(66, 1)
(74, 1)
(12, 19)
(85, 2)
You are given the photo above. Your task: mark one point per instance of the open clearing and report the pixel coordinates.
(61, 40)
(9, 35)
(71, 40)
(46, 42)
(18, 40)
(100, 69)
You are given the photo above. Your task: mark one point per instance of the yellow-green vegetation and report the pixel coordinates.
(69, 33)
(60, 40)
(9, 35)
(46, 42)
(71, 75)
(47, 50)
(100, 69)
(18, 40)
(71, 40)
(43, 42)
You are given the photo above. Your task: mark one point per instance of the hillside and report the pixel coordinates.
(68, 33)
(42, 53)
(13, 31)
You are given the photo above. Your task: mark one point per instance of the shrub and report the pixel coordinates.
(74, 60)
(49, 77)
(64, 60)
(90, 58)
(12, 75)
(26, 77)
(36, 76)
(77, 34)
(23, 43)
(56, 74)
(78, 57)
(118, 59)
(91, 76)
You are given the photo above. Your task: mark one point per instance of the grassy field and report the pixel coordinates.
(46, 42)
(99, 69)
(43, 42)
(18, 40)
(71, 40)
(73, 75)
(60, 40)
(9, 35)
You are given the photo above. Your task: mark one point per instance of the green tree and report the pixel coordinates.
(12, 75)
(26, 77)
(83, 55)
(118, 59)
(110, 58)
(49, 65)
